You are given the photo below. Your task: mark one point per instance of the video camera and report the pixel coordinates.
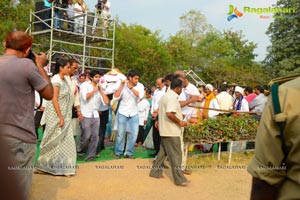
(60, 3)
(31, 56)
(99, 5)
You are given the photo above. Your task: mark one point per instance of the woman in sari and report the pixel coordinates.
(57, 149)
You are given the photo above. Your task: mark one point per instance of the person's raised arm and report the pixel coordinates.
(119, 90)
(103, 95)
(47, 92)
(90, 94)
(193, 98)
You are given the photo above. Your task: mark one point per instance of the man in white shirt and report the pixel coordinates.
(103, 9)
(214, 105)
(224, 99)
(105, 13)
(79, 11)
(188, 96)
(144, 107)
(240, 103)
(104, 115)
(91, 97)
(158, 93)
(259, 102)
(70, 9)
(129, 94)
(70, 14)
(39, 107)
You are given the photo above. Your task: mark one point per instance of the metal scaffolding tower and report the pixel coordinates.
(195, 78)
(93, 46)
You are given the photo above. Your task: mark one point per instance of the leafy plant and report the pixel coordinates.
(223, 128)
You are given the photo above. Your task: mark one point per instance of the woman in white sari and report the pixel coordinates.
(58, 150)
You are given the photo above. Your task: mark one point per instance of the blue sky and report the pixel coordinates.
(164, 15)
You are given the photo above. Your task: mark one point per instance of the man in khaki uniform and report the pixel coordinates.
(271, 180)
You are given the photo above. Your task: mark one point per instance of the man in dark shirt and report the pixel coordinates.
(19, 77)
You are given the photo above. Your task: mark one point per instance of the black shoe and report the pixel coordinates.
(153, 155)
(90, 159)
(100, 149)
(130, 157)
(81, 152)
(117, 156)
(186, 172)
(184, 184)
(80, 155)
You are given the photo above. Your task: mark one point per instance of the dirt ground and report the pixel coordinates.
(128, 179)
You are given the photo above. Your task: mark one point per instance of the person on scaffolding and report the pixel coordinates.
(79, 18)
(103, 7)
(70, 14)
(46, 14)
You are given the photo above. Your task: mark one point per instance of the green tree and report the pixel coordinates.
(139, 48)
(228, 57)
(214, 53)
(283, 56)
(13, 18)
(243, 50)
(181, 51)
(183, 46)
(194, 27)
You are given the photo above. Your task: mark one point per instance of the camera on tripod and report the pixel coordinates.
(99, 5)
(60, 3)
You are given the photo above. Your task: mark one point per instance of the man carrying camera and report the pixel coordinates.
(19, 77)
(104, 7)
(105, 14)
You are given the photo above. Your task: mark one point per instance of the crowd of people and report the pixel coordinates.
(136, 108)
(79, 105)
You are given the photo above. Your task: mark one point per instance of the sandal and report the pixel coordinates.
(37, 171)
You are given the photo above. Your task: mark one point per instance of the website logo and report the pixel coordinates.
(262, 13)
(233, 13)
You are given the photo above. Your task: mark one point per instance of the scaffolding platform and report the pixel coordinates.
(70, 36)
(87, 41)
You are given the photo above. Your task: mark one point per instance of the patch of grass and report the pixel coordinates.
(210, 160)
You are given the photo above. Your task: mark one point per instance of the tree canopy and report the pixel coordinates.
(283, 56)
(13, 18)
(139, 48)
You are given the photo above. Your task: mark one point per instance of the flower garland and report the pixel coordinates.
(237, 127)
